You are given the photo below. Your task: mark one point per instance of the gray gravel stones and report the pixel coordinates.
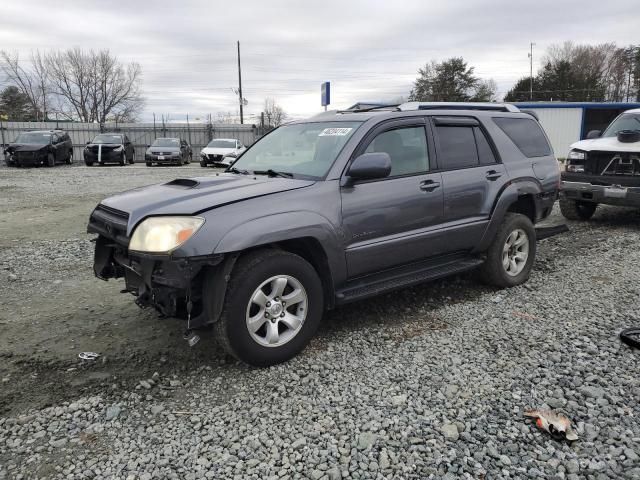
(424, 383)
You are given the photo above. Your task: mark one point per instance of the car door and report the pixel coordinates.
(387, 222)
(472, 178)
(56, 141)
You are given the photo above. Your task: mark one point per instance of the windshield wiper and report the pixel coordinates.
(273, 173)
(235, 170)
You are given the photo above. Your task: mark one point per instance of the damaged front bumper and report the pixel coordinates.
(173, 286)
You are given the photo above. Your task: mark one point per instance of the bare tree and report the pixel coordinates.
(274, 113)
(32, 80)
(94, 86)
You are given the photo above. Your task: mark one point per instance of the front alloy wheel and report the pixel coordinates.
(272, 307)
(276, 311)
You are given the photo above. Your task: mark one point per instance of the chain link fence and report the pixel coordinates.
(141, 134)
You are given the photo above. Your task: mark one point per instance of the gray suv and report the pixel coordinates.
(336, 208)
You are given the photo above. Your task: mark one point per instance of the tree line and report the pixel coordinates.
(74, 84)
(569, 72)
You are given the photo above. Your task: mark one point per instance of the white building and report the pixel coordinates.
(568, 122)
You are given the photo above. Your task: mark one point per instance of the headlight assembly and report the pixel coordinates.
(577, 155)
(163, 234)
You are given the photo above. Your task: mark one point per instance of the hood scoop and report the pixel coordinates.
(183, 182)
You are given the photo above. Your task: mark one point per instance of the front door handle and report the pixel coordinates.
(429, 185)
(493, 175)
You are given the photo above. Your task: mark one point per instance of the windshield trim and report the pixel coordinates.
(301, 176)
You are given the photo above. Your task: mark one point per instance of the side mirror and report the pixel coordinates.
(593, 134)
(148, 146)
(88, 143)
(370, 166)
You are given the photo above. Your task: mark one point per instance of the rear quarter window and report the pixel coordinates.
(526, 134)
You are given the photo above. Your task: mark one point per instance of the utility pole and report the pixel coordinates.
(240, 85)
(531, 71)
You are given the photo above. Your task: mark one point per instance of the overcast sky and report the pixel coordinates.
(369, 50)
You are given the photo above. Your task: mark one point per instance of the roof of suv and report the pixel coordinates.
(413, 108)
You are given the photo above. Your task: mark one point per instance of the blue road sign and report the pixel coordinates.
(325, 93)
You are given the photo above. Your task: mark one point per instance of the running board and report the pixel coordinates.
(403, 277)
(546, 232)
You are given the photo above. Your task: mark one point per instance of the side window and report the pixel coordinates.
(457, 146)
(526, 134)
(485, 153)
(407, 148)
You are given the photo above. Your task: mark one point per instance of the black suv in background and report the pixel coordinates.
(109, 148)
(168, 151)
(330, 210)
(40, 147)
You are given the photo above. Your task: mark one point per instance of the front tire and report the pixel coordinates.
(575, 210)
(272, 308)
(148, 164)
(512, 253)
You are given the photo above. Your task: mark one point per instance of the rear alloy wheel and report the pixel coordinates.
(272, 308)
(511, 255)
(51, 160)
(575, 210)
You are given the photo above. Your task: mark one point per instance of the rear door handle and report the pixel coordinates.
(429, 185)
(493, 175)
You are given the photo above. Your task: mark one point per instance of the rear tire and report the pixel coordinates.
(575, 210)
(512, 253)
(132, 160)
(70, 158)
(123, 159)
(280, 330)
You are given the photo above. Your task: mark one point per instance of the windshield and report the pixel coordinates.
(34, 138)
(222, 144)
(305, 149)
(626, 121)
(166, 142)
(107, 138)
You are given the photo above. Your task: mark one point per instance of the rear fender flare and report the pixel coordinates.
(508, 197)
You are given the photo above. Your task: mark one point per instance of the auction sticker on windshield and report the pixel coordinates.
(334, 132)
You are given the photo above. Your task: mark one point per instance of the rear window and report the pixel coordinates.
(457, 147)
(526, 134)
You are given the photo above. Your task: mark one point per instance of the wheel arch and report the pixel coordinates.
(517, 197)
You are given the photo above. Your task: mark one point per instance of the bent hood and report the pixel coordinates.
(191, 196)
(606, 144)
(18, 147)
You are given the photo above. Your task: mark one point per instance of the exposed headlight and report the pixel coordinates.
(202, 154)
(163, 234)
(232, 154)
(118, 149)
(577, 155)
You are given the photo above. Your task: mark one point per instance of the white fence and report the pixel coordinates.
(140, 134)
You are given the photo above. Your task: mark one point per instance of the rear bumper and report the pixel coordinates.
(606, 194)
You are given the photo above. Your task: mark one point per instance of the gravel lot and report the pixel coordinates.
(429, 382)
